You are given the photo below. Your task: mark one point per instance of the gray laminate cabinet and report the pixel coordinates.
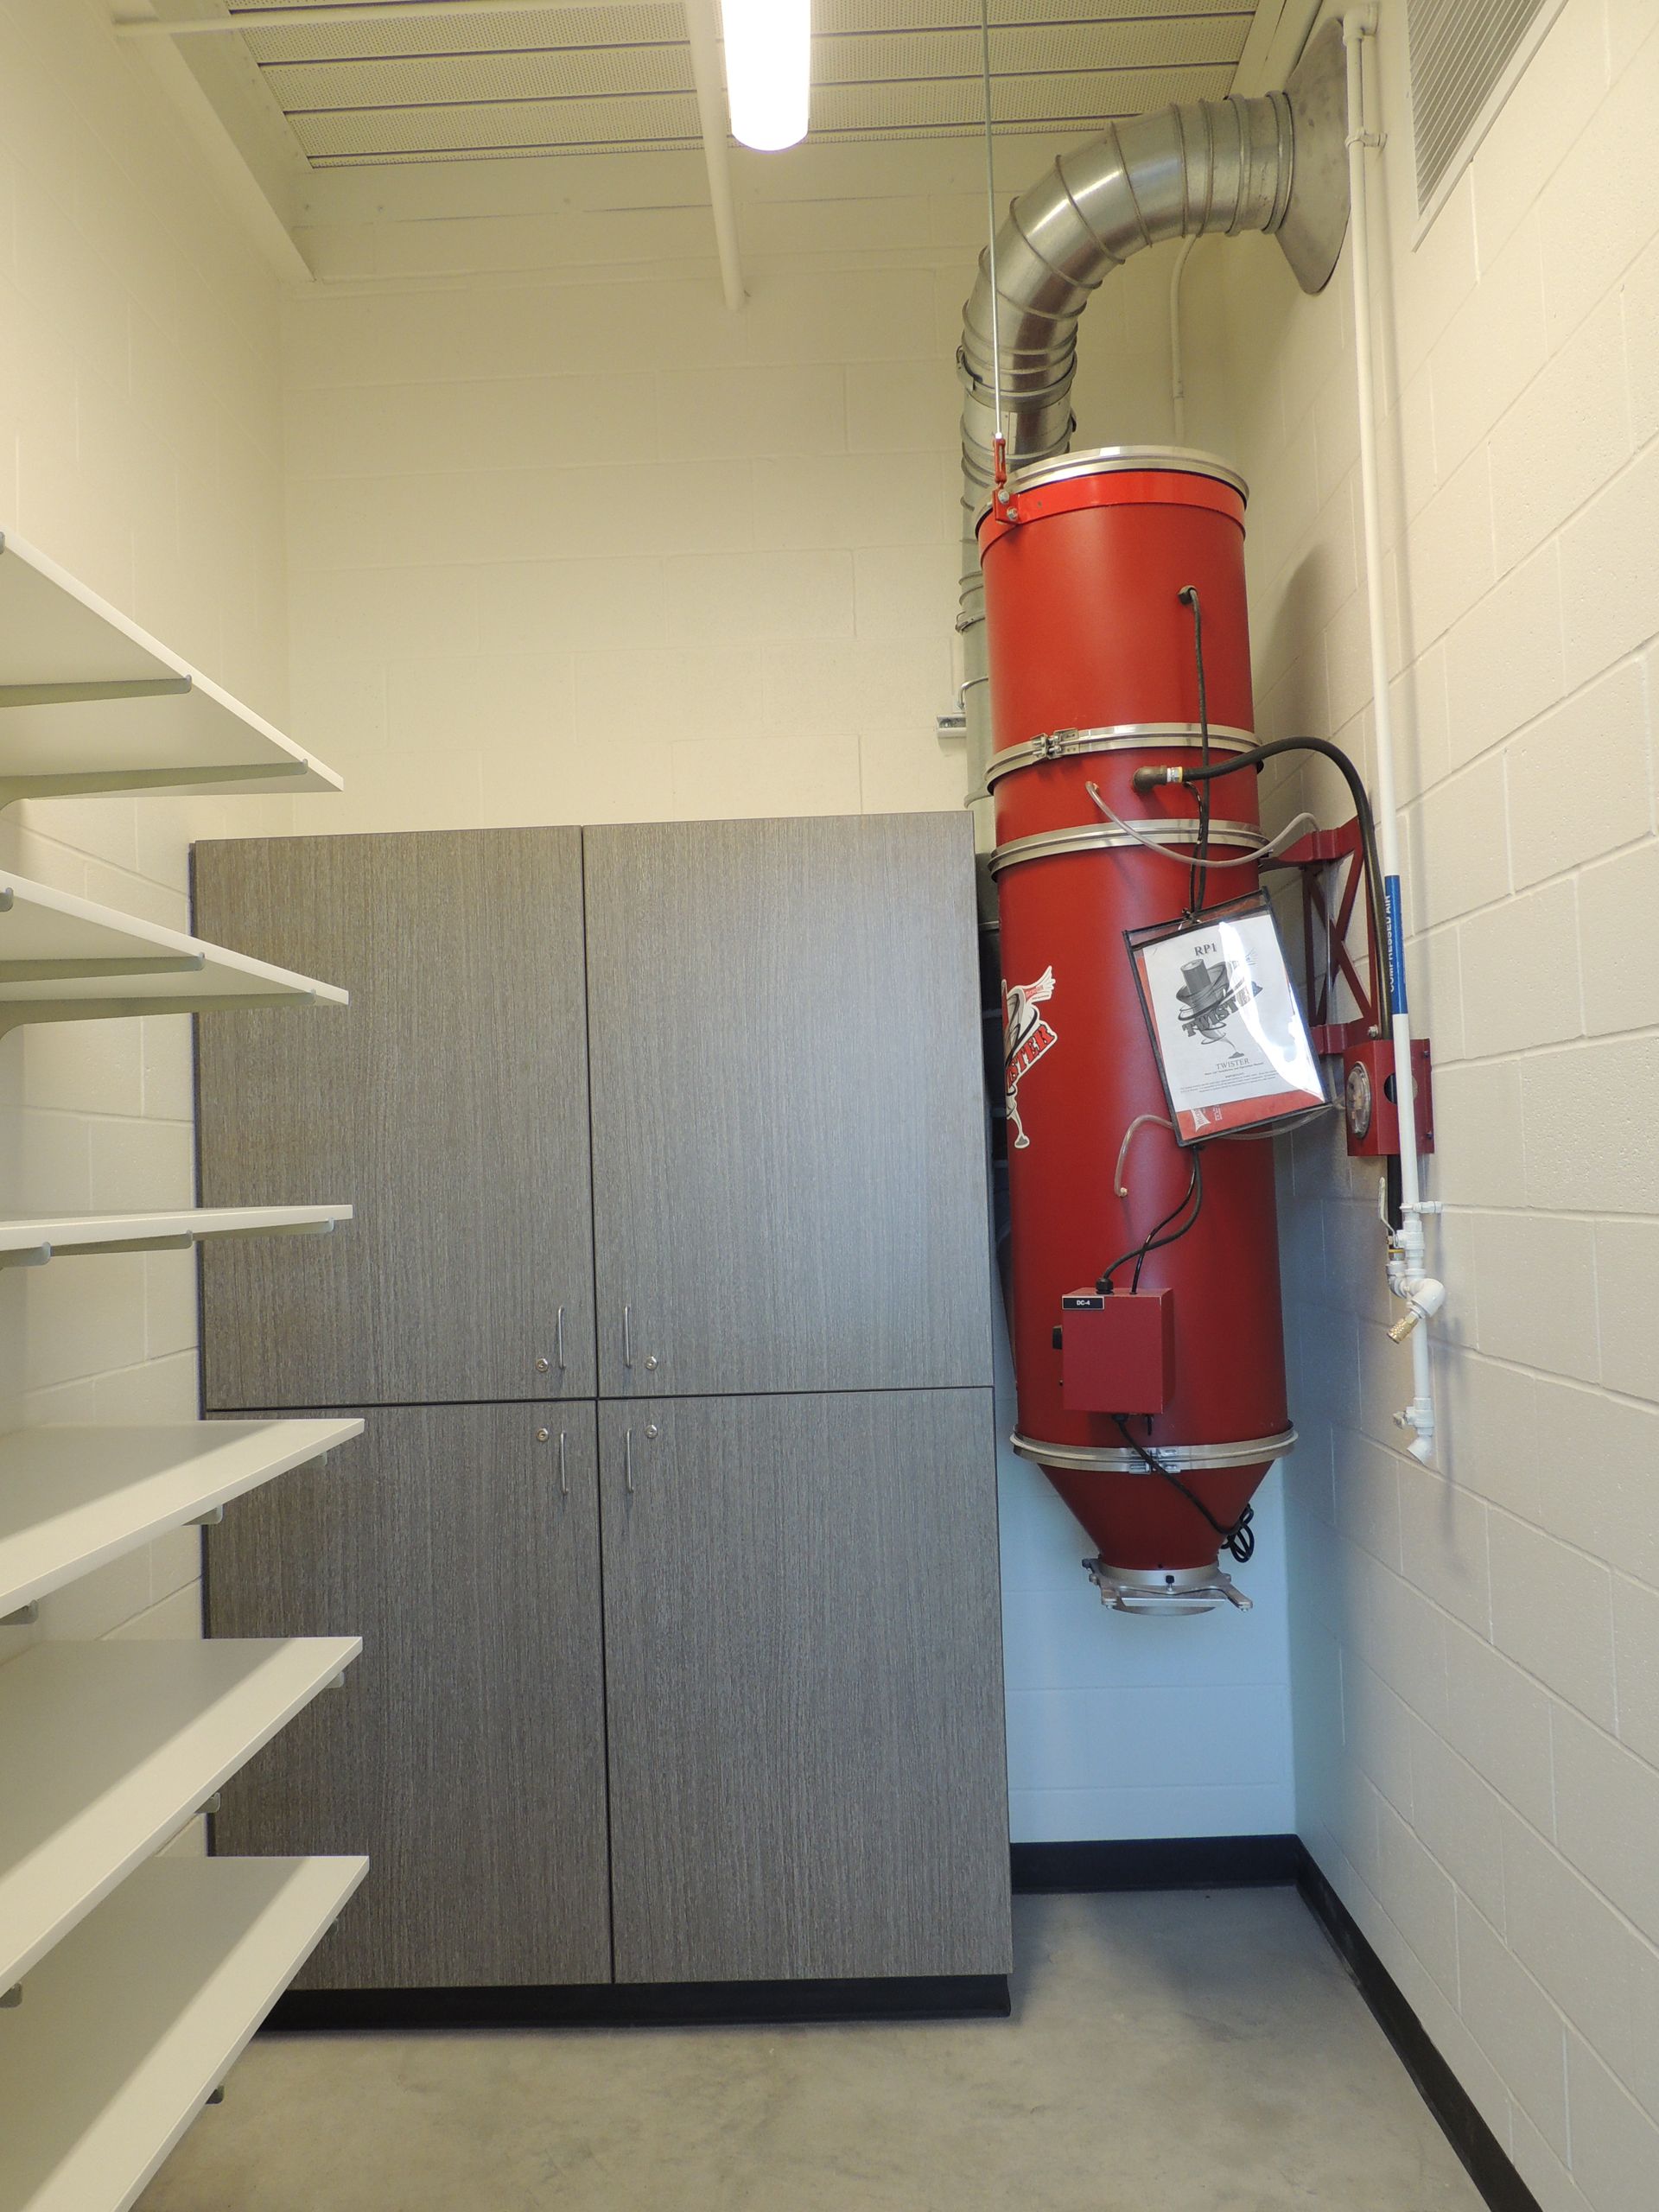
(805, 1686)
(789, 1153)
(448, 1102)
(749, 1686)
(467, 1752)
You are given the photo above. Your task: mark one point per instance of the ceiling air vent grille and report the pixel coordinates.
(1464, 56)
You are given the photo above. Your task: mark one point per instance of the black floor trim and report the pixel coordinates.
(657, 2004)
(1187, 1862)
(1486, 2162)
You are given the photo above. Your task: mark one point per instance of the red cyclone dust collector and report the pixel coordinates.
(1092, 563)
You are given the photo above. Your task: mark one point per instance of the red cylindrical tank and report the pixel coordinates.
(1093, 675)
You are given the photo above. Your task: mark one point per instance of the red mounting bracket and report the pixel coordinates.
(1324, 932)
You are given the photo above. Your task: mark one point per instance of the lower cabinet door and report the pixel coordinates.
(804, 1676)
(465, 1751)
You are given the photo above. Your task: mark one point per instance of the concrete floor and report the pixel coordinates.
(1174, 2053)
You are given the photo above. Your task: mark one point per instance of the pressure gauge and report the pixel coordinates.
(1357, 1100)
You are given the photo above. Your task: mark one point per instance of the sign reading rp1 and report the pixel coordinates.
(1232, 1047)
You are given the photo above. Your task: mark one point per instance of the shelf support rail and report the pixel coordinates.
(36, 1255)
(86, 783)
(18, 1013)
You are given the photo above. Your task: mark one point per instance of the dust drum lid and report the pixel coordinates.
(1096, 461)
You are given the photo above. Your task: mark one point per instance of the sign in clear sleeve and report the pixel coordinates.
(1226, 1026)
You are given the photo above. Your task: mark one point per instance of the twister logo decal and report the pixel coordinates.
(1026, 1037)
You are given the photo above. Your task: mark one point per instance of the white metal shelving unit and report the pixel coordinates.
(136, 2018)
(72, 1497)
(66, 959)
(91, 703)
(110, 1749)
(129, 1982)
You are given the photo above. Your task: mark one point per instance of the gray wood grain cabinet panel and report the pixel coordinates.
(789, 1155)
(448, 1104)
(805, 1686)
(465, 1751)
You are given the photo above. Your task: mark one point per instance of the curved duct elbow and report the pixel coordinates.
(1276, 164)
(1217, 166)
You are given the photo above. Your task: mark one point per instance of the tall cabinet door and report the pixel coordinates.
(448, 1103)
(789, 1165)
(804, 1688)
(465, 1751)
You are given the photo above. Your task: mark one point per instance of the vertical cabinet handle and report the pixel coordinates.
(558, 1332)
(628, 1459)
(564, 1468)
(628, 1336)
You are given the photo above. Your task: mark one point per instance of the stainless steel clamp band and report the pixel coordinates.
(1179, 1459)
(1105, 836)
(1117, 737)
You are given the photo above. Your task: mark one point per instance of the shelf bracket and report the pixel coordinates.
(87, 783)
(80, 971)
(80, 695)
(17, 1013)
(12, 1998)
(36, 1255)
(22, 1616)
(210, 1519)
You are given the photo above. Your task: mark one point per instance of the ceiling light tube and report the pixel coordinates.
(768, 70)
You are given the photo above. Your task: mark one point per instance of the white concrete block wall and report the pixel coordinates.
(141, 447)
(1476, 1647)
(568, 542)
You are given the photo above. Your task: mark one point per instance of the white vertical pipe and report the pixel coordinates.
(703, 39)
(1407, 1274)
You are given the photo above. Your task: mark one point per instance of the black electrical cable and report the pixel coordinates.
(1156, 1244)
(1240, 1539)
(1153, 1242)
(1361, 797)
(1188, 596)
(1381, 981)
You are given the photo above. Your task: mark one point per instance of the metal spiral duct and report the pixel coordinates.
(1274, 164)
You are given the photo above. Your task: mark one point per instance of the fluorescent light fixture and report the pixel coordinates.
(768, 70)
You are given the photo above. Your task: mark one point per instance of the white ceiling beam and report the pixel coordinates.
(264, 203)
(708, 78)
(347, 11)
(702, 35)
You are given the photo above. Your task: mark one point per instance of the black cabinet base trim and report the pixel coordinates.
(652, 2004)
(1485, 2159)
(1183, 1862)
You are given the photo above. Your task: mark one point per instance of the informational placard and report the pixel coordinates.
(1232, 1047)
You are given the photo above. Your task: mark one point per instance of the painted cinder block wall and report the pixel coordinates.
(1475, 1648)
(141, 447)
(570, 543)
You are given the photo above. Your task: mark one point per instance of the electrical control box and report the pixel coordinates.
(1370, 1101)
(1117, 1352)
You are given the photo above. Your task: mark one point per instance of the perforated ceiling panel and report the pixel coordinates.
(591, 80)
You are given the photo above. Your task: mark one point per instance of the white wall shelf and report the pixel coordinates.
(32, 1242)
(66, 959)
(136, 2017)
(108, 1749)
(91, 703)
(74, 1497)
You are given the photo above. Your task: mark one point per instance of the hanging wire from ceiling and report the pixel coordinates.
(1000, 446)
